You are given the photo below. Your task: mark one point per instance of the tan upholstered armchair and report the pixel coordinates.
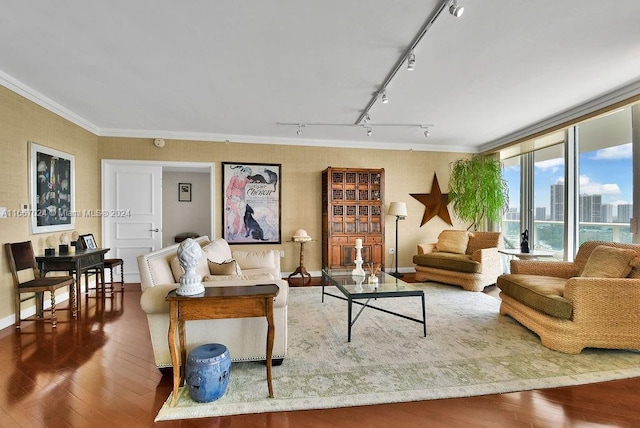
(467, 259)
(592, 302)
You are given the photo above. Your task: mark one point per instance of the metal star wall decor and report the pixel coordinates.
(435, 203)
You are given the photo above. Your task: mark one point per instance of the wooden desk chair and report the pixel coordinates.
(108, 264)
(21, 257)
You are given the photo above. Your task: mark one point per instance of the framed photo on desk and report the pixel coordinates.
(87, 242)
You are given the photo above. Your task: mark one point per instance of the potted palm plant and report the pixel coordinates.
(477, 190)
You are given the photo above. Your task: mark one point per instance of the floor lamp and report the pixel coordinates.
(398, 209)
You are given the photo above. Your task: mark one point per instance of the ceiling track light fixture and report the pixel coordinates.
(456, 10)
(411, 61)
(369, 127)
(384, 97)
(366, 118)
(408, 56)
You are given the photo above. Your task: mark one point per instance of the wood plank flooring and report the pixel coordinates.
(99, 372)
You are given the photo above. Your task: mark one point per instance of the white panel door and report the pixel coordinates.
(132, 201)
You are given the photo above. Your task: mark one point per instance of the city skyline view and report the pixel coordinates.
(606, 172)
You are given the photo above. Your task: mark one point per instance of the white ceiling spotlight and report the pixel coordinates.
(426, 131)
(299, 131)
(369, 132)
(367, 118)
(385, 100)
(411, 61)
(456, 10)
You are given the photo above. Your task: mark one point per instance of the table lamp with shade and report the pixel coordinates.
(398, 209)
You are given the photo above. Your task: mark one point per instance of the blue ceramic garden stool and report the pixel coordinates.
(207, 372)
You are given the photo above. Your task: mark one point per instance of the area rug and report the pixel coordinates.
(469, 350)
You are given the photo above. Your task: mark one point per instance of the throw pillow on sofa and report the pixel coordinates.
(609, 262)
(218, 251)
(230, 267)
(453, 241)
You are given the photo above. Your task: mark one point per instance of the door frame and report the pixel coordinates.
(170, 166)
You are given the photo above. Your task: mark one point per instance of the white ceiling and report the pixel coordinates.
(231, 70)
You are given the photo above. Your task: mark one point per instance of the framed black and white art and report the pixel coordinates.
(52, 184)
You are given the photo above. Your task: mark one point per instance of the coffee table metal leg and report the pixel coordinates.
(349, 320)
(424, 317)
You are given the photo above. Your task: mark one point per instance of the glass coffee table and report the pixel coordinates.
(356, 289)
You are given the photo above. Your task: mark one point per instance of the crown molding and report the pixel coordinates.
(607, 100)
(283, 141)
(32, 95)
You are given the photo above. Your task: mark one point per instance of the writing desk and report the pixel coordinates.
(217, 303)
(75, 263)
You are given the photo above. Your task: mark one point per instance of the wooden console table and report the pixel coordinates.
(75, 263)
(216, 303)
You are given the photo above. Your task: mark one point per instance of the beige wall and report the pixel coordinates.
(406, 172)
(22, 121)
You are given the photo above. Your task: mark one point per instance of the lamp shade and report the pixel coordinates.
(398, 209)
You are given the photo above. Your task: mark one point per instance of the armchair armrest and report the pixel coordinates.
(613, 301)
(426, 248)
(546, 268)
(485, 255)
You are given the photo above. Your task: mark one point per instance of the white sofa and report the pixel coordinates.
(244, 337)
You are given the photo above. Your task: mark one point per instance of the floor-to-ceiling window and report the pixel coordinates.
(572, 185)
(549, 199)
(511, 218)
(605, 177)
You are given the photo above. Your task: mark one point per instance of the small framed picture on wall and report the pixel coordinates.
(184, 192)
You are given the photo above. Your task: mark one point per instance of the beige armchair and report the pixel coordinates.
(572, 309)
(467, 259)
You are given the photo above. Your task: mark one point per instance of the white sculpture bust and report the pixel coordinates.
(189, 253)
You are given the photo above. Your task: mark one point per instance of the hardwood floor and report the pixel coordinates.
(99, 372)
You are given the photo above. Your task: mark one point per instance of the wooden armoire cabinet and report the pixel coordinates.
(352, 207)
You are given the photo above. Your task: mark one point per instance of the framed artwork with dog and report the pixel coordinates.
(251, 203)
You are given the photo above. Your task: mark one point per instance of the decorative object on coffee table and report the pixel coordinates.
(399, 210)
(189, 253)
(358, 271)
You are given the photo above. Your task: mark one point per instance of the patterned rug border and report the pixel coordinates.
(436, 295)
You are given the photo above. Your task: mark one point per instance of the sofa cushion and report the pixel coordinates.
(482, 240)
(255, 259)
(448, 261)
(230, 267)
(453, 241)
(544, 293)
(217, 251)
(609, 262)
